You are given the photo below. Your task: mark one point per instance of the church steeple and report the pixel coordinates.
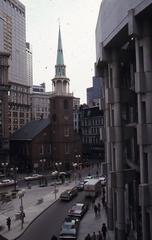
(60, 83)
(60, 67)
(60, 59)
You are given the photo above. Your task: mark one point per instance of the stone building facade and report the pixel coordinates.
(124, 60)
(4, 90)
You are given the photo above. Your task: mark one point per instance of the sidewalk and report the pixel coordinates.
(90, 223)
(35, 201)
(33, 207)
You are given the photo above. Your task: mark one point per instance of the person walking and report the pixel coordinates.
(104, 230)
(94, 237)
(95, 210)
(99, 208)
(88, 237)
(54, 237)
(8, 222)
(99, 236)
(103, 201)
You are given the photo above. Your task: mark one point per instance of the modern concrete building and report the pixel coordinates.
(40, 102)
(13, 41)
(124, 60)
(65, 141)
(94, 93)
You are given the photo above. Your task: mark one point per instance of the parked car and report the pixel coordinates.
(88, 177)
(78, 210)
(80, 186)
(69, 229)
(102, 180)
(33, 177)
(69, 194)
(71, 218)
(6, 182)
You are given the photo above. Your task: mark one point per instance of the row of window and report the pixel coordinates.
(15, 7)
(90, 130)
(91, 140)
(91, 122)
(47, 148)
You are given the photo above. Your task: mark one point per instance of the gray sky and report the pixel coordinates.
(78, 21)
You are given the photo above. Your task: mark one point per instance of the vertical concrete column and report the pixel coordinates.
(108, 156)
(147, 60)
(120, 215)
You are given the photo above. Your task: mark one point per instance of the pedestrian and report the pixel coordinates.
(99, 208)
(93, 201)
(104, 230)
(99, 236)
(95, 210)
(94, 237)
(103, 201)
(54, 237)
(88, 237)
(103, 191)
(8, 222)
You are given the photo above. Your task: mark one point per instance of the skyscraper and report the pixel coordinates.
(13, 41)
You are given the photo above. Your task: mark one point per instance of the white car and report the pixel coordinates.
(102, 180)
(69, 230)
(33, 177)
(7, 182)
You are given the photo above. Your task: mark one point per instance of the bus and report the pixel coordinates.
(92, 188)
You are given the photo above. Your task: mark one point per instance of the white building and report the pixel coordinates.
(40, 103)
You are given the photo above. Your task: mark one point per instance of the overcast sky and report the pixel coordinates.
(78, 21)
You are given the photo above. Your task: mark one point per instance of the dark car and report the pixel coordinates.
(78, 210)
(80, 186)
(69, 194)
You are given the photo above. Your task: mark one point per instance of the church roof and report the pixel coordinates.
(30, 130)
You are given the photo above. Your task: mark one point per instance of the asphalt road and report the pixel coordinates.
(50, 221)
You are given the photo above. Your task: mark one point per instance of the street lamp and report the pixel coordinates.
(4, 164)
(74, 166)
(21, 195)
(78, 156)
(42, 161)
(57, 164)
(14, 170)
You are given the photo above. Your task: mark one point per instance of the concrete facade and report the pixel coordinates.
(124, 60)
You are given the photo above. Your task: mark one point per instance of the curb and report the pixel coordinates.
(34, 220)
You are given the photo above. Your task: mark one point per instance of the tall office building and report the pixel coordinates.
(124, 60)
(4, 89)
(13, 41)
(29, 65)
(65, 145)
(94, 93)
